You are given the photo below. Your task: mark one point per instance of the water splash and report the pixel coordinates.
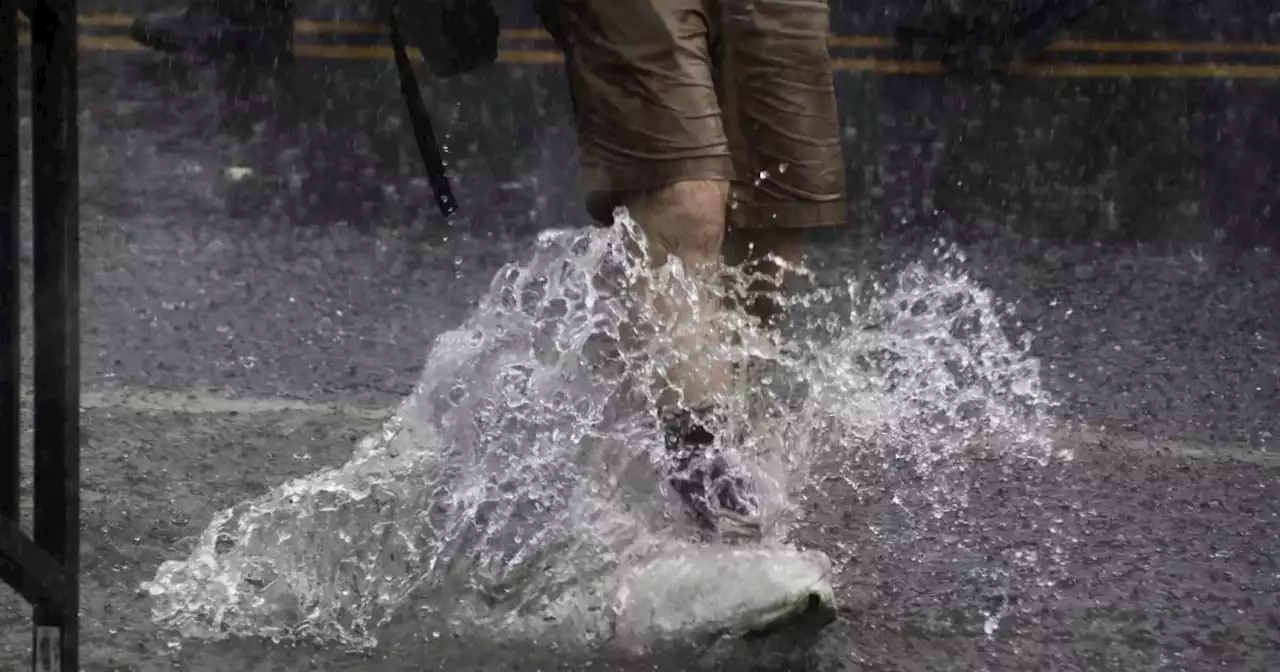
(518, 481)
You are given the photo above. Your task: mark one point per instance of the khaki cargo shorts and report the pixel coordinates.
(671, 90)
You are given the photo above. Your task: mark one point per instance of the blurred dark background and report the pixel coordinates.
(1152, 155)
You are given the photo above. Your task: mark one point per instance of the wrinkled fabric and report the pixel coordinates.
(740, 90)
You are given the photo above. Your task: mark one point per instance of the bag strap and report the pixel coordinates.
(421, 121)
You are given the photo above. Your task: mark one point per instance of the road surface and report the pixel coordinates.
(263, 276)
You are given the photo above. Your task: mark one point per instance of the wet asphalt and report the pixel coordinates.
(268, 233)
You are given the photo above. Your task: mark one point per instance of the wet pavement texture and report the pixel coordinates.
(258, 234)
(272, 232)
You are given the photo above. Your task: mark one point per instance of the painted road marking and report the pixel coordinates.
(358, 52)
(320, 27)
(1158, 47)
(1094, 439)
(207, 403)
(890, 66)
(1149, 70)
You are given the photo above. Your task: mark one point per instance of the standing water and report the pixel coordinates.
(516, 492)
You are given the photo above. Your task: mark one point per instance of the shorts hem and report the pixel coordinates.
(792, 215)
(607, 187)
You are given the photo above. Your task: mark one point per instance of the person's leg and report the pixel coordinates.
(643, 87)
(783, 127)
(685, 221)
(641, 78)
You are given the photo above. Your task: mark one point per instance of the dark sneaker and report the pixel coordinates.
(212, 28)
(716, 498)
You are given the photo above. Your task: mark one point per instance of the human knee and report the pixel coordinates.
(686, 219)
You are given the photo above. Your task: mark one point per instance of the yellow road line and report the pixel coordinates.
(96, 43)
(111, 20)
(319, 27)
(526, 34)
(108, 43)
(883, 66)
(1078, 70)
(862, 42)
(1149, 70)
(371, 52)
(350, 52)
(890, 67)
(310, 27)
(1109, 47)
(1096, 46)
(378, 52)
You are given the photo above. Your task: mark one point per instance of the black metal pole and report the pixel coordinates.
(10, 242)
(55, 187)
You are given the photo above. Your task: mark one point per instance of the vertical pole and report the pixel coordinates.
(10, 241)
(55, 187)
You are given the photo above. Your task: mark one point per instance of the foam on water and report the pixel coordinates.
(517, 483)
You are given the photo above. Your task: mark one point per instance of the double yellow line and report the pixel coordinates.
(886, 65)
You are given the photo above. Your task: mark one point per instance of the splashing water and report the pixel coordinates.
(520, 479)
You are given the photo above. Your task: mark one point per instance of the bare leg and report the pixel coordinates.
(686, 220)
